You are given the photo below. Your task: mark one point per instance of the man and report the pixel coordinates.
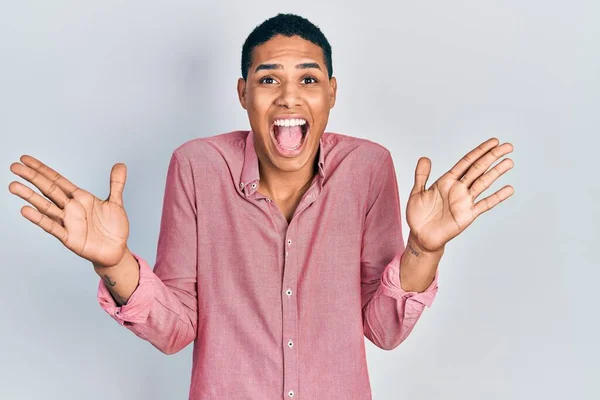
(281, 247)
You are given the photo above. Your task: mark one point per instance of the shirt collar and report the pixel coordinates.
(250, 173)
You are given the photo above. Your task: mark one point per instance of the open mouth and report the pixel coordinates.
(281, 127)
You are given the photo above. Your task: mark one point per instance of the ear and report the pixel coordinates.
(332, 91)
(241, 88)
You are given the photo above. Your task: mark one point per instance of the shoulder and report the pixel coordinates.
(209, 147)
(345, 148)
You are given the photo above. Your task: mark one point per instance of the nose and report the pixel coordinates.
(289, 96)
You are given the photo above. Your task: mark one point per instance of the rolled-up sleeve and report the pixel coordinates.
(389, 312)
(163, 307)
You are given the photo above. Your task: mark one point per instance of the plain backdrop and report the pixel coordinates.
(85, 84)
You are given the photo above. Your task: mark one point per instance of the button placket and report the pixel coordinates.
(289, 292)
(290, 317)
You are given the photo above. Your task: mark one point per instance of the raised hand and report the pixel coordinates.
(94, 229)
(438, 214)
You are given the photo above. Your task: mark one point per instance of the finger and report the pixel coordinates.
(55, 178)
(492, 200)
(42, 204)
(483, 163)
(461, 167)
(55, 186)
(118, 176)
(421, 175)
(47, 224)
(486, 180)
(66, 186)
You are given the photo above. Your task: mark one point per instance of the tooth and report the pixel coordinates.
(290, 122)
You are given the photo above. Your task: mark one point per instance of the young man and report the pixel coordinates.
(281, 247)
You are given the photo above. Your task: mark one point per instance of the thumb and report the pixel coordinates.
(421, 175)
(118, 176)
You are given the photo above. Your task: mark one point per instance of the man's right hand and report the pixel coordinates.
(94, 229)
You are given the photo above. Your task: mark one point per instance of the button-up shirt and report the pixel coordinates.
(276, 310)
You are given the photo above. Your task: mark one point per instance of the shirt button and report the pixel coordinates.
(286, 253)
(241, 184)
(254, 186)
(268, 200)
(290, 343)
(288, 292)
(291, 393)
(289, 242)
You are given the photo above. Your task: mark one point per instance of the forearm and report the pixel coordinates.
(122, 279)
(418, 266)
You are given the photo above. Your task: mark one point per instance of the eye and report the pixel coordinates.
(268, 80)
(308, 78)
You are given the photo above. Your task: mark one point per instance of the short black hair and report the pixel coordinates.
(288, 25)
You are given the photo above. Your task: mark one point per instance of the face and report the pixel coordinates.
(287, 80)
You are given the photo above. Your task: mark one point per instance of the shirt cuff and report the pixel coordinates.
(138, 306)
(390, 284)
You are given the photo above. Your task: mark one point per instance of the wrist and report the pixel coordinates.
(123, 262)
(414, 246)
(418, 266)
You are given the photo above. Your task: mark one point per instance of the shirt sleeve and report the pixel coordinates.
(163, 308)
(389, 312)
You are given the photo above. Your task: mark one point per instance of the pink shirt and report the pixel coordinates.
(275, 310)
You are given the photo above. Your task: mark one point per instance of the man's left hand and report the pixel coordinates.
(438, 214)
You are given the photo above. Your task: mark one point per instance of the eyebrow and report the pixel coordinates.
(279, 66)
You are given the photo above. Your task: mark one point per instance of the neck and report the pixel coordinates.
(285, 186)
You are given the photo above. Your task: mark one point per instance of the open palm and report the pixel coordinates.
(94, 229)
(437, 215)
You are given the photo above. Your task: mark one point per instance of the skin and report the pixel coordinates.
(267, 93)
